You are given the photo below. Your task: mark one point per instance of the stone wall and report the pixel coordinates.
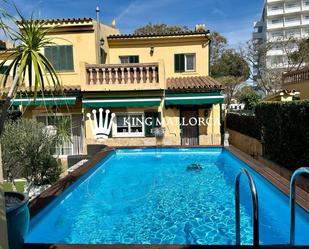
(245, 143)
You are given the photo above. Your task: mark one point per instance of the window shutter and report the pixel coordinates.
(179, 62)
(151, 118)
(69, 58)
(134, 59)
(61, 57)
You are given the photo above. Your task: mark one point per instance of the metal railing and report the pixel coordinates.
(255, 206)
(300, 171)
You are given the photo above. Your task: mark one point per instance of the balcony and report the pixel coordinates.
(293, 9)
(258, 35)
(124, 77)
(295, 77)
(276, 12)
(275, 25)
(292, 23)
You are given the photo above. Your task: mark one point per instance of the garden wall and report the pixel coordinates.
(245, 143)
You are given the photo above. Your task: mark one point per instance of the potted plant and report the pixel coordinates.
(27, 152)
(18, 217)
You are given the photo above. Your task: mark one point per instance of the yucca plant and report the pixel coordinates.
(28, 58)
(4, 15)
(27, 63)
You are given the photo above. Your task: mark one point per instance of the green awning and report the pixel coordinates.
(70, 100)
(121, 102)
(194, 99)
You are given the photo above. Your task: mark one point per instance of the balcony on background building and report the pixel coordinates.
(295, 77)
(123, 77)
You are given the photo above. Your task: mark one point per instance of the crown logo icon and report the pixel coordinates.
(100, 130)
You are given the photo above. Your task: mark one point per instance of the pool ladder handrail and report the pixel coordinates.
(298, 172)
(255, 207)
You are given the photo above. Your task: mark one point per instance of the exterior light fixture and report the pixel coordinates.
(151, 51)
(102, 41)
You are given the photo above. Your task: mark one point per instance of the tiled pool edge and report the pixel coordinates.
(302, 197)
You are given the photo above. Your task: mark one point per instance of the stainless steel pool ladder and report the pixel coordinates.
(300, 171)
(255, 207)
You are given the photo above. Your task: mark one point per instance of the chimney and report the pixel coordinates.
(200, 27)
(114, 23)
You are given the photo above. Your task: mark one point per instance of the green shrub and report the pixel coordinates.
(246, 124)
(27, 151)
(285, 131)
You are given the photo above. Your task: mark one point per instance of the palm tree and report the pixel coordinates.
(27, 63)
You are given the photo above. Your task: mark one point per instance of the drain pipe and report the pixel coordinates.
(97, 10)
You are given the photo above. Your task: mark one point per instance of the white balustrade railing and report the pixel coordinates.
(137, 73)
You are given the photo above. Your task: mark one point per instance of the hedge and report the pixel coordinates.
(246, 124)
(285, 131)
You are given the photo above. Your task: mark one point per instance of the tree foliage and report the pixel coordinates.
(218, 46)
(232, 64)
(250, 100)
(300, 57)
(268, 74)
(231, 70)
(160, 28)
(27, 151)
(248, 97)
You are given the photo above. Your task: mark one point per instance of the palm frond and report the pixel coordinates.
(34, 68)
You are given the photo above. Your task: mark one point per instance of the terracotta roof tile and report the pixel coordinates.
(64, 20)
(182, 33)
(65, 89)
(193, 82)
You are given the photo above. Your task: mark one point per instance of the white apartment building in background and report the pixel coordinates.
(281, 19)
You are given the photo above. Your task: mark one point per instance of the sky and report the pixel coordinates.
(233, 18)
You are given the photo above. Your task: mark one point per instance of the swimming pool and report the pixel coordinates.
(149, 196)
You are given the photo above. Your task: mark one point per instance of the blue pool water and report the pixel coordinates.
(149, 197)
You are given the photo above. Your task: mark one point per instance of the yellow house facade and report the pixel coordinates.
(157, 86)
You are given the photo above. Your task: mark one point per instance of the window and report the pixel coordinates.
(307, 3)
(276, 21)
(290, 5)
(61, 57)
(306, 32)
(291, 19)
(184, 63)
(129, 59)
(276, 61)
(307, 17)
(3, 69)
(292, 33)
(277, 35)
(277, 7)
(66, 148)
(129, 125)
